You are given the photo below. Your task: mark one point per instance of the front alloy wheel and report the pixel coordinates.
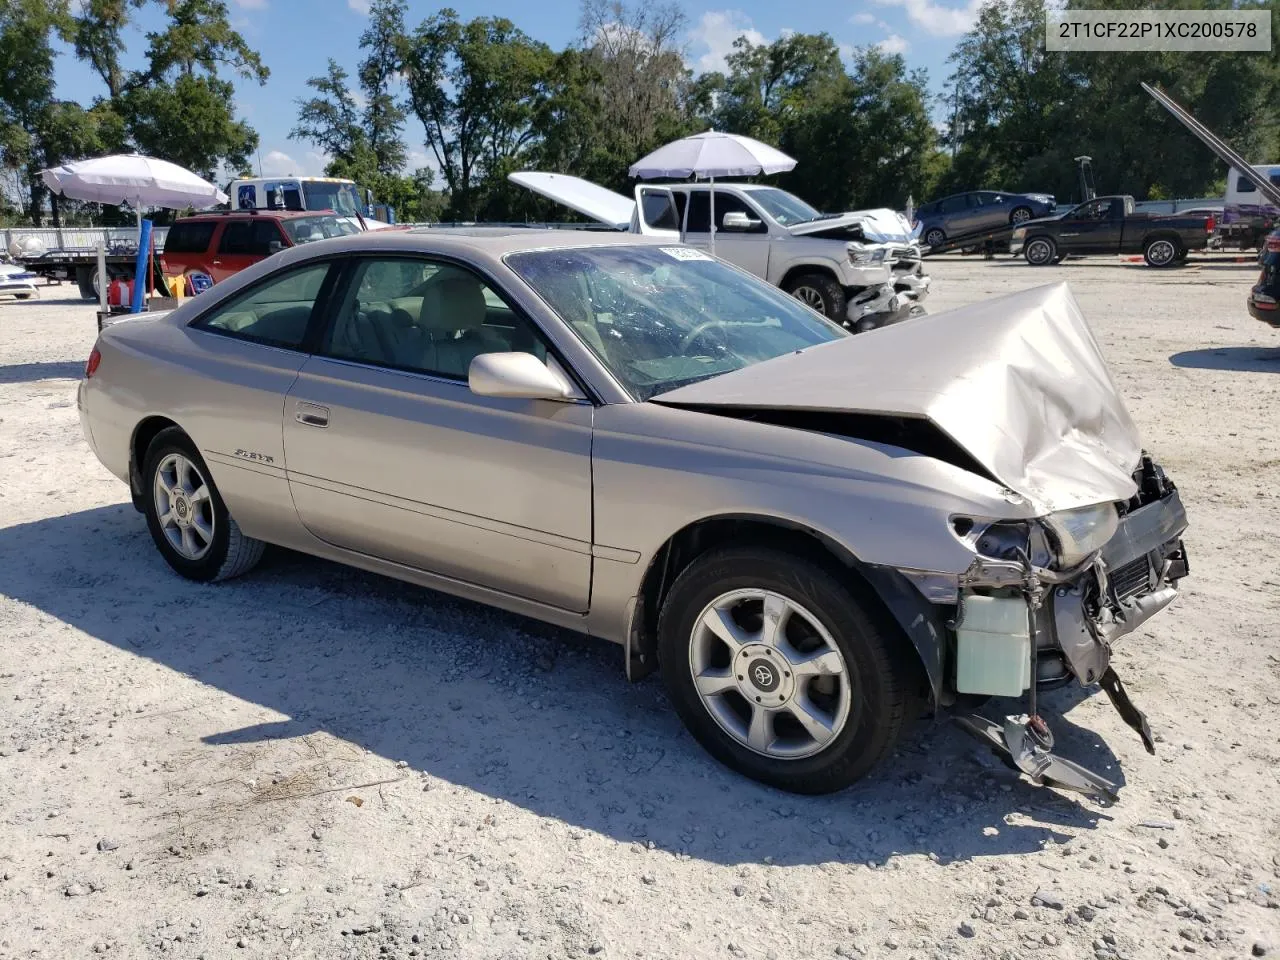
(782, 668)
(769, 673)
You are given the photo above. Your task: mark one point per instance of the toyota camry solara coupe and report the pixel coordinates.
(814, 537)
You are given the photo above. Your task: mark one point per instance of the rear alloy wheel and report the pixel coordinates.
(1020, 215)
(1160, 252)
(821, 293)
(189, 523)
(779, 671)
(1040, 251)
(934, 237)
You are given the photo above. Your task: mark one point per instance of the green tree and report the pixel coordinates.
(384, 114)
(27, 106)
(860, 137)
(477, 88)
(331, 119)
(1020, 114)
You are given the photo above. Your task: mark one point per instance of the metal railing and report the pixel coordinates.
(81, 239)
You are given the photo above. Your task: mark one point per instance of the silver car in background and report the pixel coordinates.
(812, 535)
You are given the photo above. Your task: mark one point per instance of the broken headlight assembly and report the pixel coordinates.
(1057, 541)
(860, 257)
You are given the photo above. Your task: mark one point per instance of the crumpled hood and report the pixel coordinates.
(878, 226)
(1017, 382)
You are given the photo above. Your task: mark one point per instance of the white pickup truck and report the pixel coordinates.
(862, 269)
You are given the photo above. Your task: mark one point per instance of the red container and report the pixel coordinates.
(120, 293)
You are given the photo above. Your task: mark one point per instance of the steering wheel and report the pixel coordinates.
(698, 331)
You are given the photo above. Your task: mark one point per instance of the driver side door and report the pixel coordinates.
(1091, 228)
(390, 454)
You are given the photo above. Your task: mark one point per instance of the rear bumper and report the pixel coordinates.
(1270, 317)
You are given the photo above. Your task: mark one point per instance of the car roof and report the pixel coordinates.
(218, 215)
(494, 242)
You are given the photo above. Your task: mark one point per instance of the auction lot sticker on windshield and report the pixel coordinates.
(684, 253)
(1115, 31)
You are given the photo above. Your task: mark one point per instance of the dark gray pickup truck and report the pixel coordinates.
(1112, 225)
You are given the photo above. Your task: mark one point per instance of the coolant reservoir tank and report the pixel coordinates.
(993, 646)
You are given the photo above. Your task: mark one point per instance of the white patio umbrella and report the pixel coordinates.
(710, 155)
(133, 179)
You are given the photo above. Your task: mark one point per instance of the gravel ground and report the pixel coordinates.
(316, 762)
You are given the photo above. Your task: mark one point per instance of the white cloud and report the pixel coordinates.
(862, 19)
(715, 33)
(358, 98)
(251, 4)
(937, 18)
(277, 163)
(359, 6)
(893, 44)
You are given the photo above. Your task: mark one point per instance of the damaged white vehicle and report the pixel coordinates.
(862, 269)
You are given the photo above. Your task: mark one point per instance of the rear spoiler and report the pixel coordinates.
(1223, 152)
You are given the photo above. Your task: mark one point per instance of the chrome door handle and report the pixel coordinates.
(311, 414)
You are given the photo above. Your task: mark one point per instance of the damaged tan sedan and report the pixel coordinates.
(813, 536)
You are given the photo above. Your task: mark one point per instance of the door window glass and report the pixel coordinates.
(656, 208)
(235, 238)
(424, 316)
(952, 204)
(732, 203)
(275, 312)
(699, 212)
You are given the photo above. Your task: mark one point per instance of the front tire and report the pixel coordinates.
(191, 526)
(1020, 215)
(934, 237)
(1040, 251)
(779, 671)
(822, 293)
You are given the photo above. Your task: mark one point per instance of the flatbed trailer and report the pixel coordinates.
(81, 268)
(985, 240)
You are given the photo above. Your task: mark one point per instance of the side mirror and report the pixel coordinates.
(517, 375)
(274, 246)
(738, 221)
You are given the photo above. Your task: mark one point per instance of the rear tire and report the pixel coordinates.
(1161, 252)
(195, 533)
(822, 293)
(84, 280)
(860, 696)
(1040, 251)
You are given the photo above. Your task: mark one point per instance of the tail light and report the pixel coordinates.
(1210, 225)
(91, 366)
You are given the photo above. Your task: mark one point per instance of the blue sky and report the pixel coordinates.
(295, 39)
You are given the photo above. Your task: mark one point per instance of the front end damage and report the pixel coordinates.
(1021, 628)
(1082, 544)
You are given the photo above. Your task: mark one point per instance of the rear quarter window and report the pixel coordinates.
(189, 237)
